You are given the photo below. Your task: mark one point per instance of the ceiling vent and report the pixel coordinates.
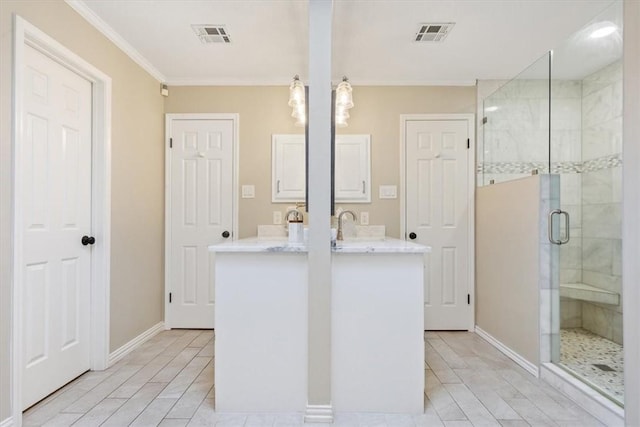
(212, 33)
(433, 32)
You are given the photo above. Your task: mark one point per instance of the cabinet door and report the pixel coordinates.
(287, 168)
(352, 169)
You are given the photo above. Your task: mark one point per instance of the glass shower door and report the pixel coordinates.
(586, 136)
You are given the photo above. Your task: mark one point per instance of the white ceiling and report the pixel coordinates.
(372, 39)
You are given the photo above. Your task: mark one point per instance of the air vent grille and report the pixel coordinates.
(433, 32)
(212, 33)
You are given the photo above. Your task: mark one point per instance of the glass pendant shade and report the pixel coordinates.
(296, 93)
(344, 96)
(297, 101)
(344, 101)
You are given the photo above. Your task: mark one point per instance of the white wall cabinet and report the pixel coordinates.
(352, 168)
(287, 168)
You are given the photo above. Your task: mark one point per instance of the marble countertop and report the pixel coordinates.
(259, 244)
(255, 244)
(386, 246)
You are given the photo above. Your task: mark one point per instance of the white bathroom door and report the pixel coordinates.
(200, 214)
(437, 215)
(55, 195)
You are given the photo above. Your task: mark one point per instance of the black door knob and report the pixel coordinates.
(412, 236)
(88, 240)
(225, 234)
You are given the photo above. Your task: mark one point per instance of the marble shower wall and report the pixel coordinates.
(566, 160)
(602, 197)
(515, 136)
(516, 131)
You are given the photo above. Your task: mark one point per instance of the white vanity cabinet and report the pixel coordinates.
(376, 319)
(352, 168)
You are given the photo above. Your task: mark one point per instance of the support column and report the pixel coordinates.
(319, 199)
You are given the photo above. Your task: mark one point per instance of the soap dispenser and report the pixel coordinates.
(296, 227)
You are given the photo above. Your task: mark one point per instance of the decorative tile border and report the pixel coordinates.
(566, 167)
(606, 162)
(512, 167)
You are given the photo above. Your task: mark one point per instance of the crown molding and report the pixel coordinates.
(411, 82)
(104, 28)
(226, 82)
(355, 83)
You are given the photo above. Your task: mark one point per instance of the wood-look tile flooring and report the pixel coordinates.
(168, 381)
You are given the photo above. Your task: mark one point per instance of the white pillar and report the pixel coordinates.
(319, 199)
(631, 212)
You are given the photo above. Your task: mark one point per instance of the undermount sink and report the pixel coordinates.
(271, 231)
(364, 232)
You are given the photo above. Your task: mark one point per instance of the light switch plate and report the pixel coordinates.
(248, 191)
(388, 192)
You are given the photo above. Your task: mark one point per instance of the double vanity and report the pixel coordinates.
(377, 323)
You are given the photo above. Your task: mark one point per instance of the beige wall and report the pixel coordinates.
(137, 175)
(263, 111)
(507, 264)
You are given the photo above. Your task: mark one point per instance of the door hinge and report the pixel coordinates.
(468, 143)
(169, 297)
(484, 120)
(170, 142)
(469, 299)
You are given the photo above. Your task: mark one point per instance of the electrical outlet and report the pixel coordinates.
(364, 218)
(277, 217)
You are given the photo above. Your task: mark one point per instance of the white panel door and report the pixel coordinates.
(55, 194)
(437, 215)
(201, 195)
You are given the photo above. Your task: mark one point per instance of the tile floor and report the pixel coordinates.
(168, 381)
(581, 351)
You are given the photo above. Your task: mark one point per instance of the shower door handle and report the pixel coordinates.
(560, 241)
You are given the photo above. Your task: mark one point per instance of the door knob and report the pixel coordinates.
(88, 240)
(412, 236)
(225, 234)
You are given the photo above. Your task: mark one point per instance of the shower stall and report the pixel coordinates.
(563, 116)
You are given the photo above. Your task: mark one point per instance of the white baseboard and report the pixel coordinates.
(587, 398)
(319, 414)
(524, 363)
(134, 343)
(7, 422)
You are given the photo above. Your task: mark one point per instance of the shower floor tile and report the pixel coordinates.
(594, 359)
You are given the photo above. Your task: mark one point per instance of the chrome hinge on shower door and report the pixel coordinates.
(552, 239)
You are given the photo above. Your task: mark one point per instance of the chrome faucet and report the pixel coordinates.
(297, 215)
(353, 215)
